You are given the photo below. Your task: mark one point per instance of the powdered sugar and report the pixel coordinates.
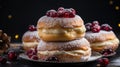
(62, 45)
(64, 22)
(31, 34)
(102, 35)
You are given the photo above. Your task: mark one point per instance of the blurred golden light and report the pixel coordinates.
(16, 36)
(10, 16)
(118, 24)
(116, 7)
(111, 2)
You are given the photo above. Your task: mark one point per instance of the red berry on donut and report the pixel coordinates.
(106, 27)
(53, 58)
(95, 28)
(60, 8)
(73, 10)
(32, 28)
(95, 23)
(88, 26)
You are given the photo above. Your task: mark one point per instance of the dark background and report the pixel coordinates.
(16, 15)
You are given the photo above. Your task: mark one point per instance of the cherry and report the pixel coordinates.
(32, 28)
(3, 60)
(95, 23)
(12, 55)
(107, 51)
(53, 58)
(66, 14)
(53, 13)
(71, 15)
(34, 57)
(103, 62)
(88, 26)
(106, 27)
(60, 8)
(31, 52)
(60, 13)
(73, 10)
(95, 28)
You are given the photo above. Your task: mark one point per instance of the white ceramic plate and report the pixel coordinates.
(94, 57)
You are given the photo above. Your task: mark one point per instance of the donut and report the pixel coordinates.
(69, 51)
(102, 40)
(56, 26)
(30, 39)
(101, 37)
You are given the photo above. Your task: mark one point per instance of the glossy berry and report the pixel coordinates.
(3, 60)
(31, 52)
(32, 28)
(106, 27)
(88, 26)
(103, 62)
(12, 55)
(71, 15)
(34, 57)
(107, 51)
(60, 13)
(53, 13)
(60, 8)
(73, 10)
(66, 14)
(53, 58)
(95, 23)
(95, 28)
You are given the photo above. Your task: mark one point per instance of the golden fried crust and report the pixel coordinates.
(49, 22)
(59, 34)
(101, 48)
(60, 29)
(110, 44)
(66, 57)
(100, 36)
(79, 44)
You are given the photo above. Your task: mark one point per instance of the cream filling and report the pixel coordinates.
(105, 43)
(29, 44)
(78, 30)
(73, 52)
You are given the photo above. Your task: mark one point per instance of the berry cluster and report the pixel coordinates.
(95, 27)
(103, 62)
(107, 52)
(62, 13)
(32, 54)
(53, 58)
(32, 28)
(11, 56)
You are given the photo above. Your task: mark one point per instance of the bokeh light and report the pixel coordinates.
(116, 7)
(9, 16)
(111, 2)
(16, 36)
(118, 24)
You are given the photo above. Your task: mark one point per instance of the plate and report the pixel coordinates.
(93, 57)
(109, 55)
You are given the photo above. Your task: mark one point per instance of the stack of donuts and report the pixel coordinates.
(62, 37)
